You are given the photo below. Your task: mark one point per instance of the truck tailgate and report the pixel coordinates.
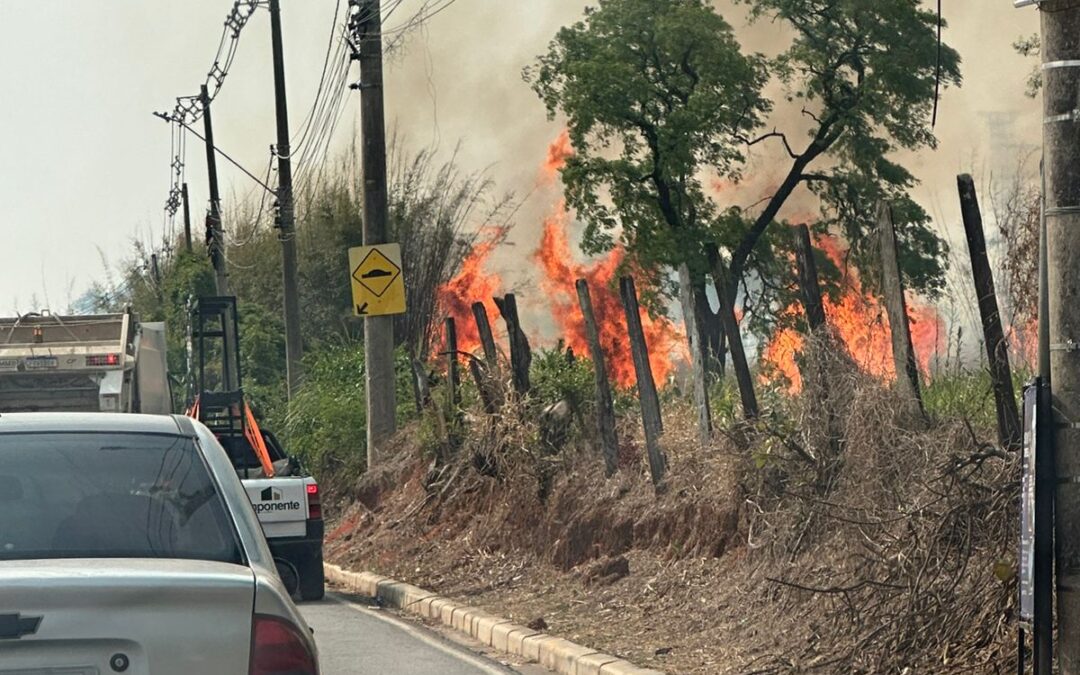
(281, 505)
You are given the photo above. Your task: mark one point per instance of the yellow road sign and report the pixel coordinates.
(378, 287)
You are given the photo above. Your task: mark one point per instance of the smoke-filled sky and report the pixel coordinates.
(85, 166)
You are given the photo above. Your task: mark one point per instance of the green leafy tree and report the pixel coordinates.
(867, 74)
(655, 92)
(658, 93)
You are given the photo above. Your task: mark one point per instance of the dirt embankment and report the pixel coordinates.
(762, 554)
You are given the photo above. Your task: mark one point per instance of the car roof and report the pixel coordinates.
(61, 422)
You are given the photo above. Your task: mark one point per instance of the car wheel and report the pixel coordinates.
(312, 579)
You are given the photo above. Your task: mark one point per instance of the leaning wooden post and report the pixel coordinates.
(605, 408)
(734, 335)
(997, 352)
(487, 340)
(810, 289)
(650, 401)
(483, 385)
(452, 376)
(698, 354)
(808, 278)
(907, 368)
(520, 353)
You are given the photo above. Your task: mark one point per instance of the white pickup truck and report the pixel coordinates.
(289, 507)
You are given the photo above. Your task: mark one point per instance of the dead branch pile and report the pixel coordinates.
(897, 550)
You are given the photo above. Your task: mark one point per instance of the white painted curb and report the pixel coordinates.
(557, 654)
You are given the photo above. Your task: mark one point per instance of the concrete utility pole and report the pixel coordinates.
(1061, 156)
(187, 218)
(294, 347)
(378, 330)
(214, 233)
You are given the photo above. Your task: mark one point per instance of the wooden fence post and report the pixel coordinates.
(997, 352)
(483, 326)
(815, 317)
(605, 408)
(452, 376)
(907, 368)
(699, 351)
(808, 278)
(520, 353)
(650, 401)
(733, 334)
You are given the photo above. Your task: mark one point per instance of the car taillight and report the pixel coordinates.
(278, 648)
(103, 360)
(314, 502)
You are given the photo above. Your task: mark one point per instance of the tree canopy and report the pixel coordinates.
(658, 94)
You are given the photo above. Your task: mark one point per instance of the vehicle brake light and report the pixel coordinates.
(314, 502)
(278, 648)
(103, 360)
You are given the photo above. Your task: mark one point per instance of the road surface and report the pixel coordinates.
(354, 638)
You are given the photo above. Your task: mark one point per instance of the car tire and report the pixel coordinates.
(312, 579)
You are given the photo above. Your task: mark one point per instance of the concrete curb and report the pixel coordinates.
(557, 654)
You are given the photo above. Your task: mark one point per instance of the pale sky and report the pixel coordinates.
(84, 166)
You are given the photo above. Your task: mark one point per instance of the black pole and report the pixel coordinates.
(214, 235)
(187, 218)
(1045, 481)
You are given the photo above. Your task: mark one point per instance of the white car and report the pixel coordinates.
(128, 545)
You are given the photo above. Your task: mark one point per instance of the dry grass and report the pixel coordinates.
(853, 540)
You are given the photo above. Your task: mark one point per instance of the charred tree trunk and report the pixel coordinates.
(520, 352)
(650, 402)
(733, 335)
(605, 407)
(698, 354)
(997, 349)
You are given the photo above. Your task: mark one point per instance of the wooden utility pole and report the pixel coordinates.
(733, 334)
(907, 368)
(215, 236)
(997, 350)
(699, 353)
(378, 330)
(187, 217)
(650, 401)
(1061, 157)
(605, 407)
(294, 347)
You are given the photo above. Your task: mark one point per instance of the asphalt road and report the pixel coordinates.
(354, 638)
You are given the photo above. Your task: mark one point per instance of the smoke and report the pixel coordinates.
(460, 79)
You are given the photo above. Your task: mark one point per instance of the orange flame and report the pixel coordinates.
(558, 152)
(471, 284)
(561, 273)
(861, 323)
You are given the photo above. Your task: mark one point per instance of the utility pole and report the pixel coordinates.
(1061, 157)
(378, 330)
(294, 347)
(187, 218)
(215, 237)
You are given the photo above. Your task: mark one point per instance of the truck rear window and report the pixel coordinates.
(98, 495)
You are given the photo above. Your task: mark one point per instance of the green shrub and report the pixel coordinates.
(326, 424)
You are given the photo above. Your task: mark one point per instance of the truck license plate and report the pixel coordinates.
(41, 362)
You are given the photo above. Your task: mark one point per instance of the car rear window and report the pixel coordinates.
(97, 495)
